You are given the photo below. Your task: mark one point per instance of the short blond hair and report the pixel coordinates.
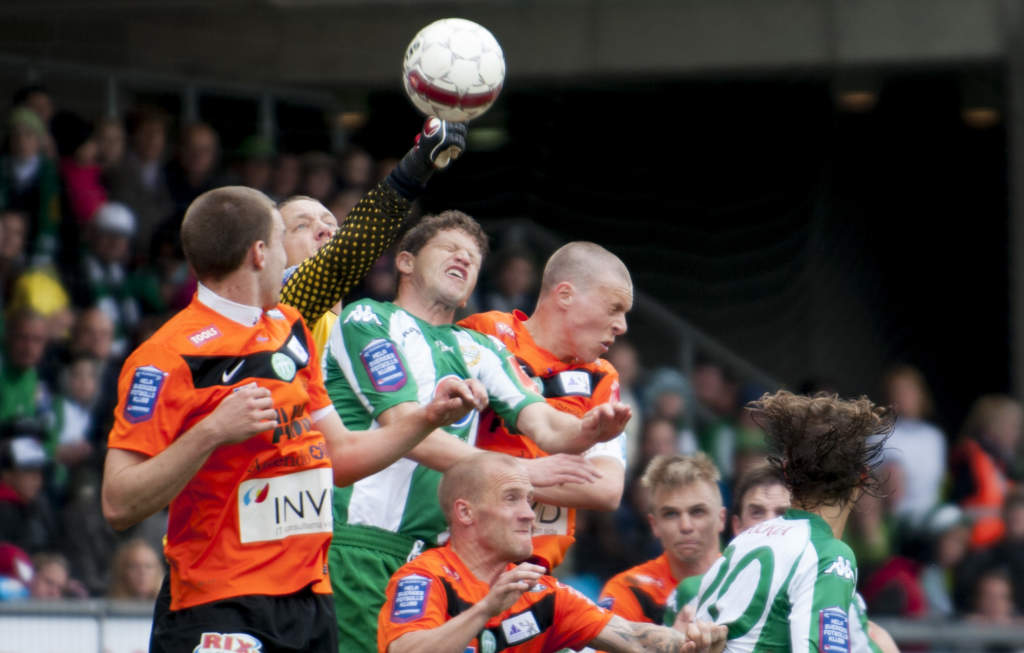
(469, 478)
(678, 471)
(576, 262)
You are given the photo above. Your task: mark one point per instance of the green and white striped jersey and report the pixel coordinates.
(786, 584)
(377, 356)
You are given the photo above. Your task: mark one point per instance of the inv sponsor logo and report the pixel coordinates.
(292, 504)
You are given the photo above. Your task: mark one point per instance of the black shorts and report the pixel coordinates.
(303, 621)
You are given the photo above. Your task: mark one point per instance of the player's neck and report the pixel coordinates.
(545, 327)
(432, 312)
(479, 561)
(834, 515)
(237, 287)
(682, 569)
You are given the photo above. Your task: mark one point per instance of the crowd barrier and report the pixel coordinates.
(98, 626)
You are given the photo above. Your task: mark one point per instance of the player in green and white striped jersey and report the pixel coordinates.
(386, 358)
(789, 583)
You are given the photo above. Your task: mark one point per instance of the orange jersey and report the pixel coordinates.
(256, 517)
(570, 387)
(640, 593)
(437, 586)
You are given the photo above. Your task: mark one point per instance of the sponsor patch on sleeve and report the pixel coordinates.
(833, 631)
(383, 365)
(143, 393)
(606, 602)
(410, 598)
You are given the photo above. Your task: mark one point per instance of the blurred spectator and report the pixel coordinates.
(38, 290)
(380, 282)
(669, 396)
(993, 600)
(138, 180)
(13, 236)
(252, 162)
(514, 283)
(285, 177)
(80, 172)
(982, 463)
(869, 534)
(110, 143)
(29, 182)
(356, 170)
(751, 449)
(88, 541)
(136, 572)
(623, 356)
(343, 203)
(914, 461)
(944, 534)
(37, 98)
(92, 336)
(717, 391)
(72, 444)
(22, 392)
(318, 179)
(26, 516)
(1008, 552)
(103, 278)
(658, 438)
(15, 572)
(52, 578)
(194, 171)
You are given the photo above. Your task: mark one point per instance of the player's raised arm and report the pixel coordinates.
(558, 432)
(356, 454)
(322, 280)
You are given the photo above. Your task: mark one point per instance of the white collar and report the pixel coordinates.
(241, 313)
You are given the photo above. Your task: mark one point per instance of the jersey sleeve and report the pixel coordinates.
(322, 280)
(150, 412)
(362, 359)
(821, 595)
(617, 597)
(414, 600)
(579, 619)
(508, 388)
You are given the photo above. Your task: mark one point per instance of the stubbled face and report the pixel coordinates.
(446, 269)
(688, 521)
(761, 503)
(308, 226)
(504, 516)
(598, 315)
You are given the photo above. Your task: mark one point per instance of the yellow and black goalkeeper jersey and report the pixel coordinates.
(321, 281)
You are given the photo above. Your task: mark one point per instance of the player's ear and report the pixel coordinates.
(735, 525)
(722, 513)
(405, 262)
(258, 254)
(463, 512)
(565, 292)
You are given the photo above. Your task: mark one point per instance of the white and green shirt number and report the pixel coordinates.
(784, 585)
(378, 356)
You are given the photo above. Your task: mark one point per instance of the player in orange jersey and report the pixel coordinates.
(585, 294)
(687, 517)
(223, 414)
(470, 596)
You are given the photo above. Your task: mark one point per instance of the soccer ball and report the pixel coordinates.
(453, 69)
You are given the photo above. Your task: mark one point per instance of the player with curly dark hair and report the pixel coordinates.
(788, 584)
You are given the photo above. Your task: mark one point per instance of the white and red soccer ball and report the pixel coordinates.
(453, 69)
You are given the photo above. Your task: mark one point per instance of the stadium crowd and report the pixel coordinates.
(91, 264)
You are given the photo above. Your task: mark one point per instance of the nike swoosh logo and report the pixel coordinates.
(226, 376)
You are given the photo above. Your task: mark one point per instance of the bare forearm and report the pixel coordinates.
(453, 636)
(621, 636)
(132, 492)
(605, 493)
(356, 455)
(440, 450)
(552, 430)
